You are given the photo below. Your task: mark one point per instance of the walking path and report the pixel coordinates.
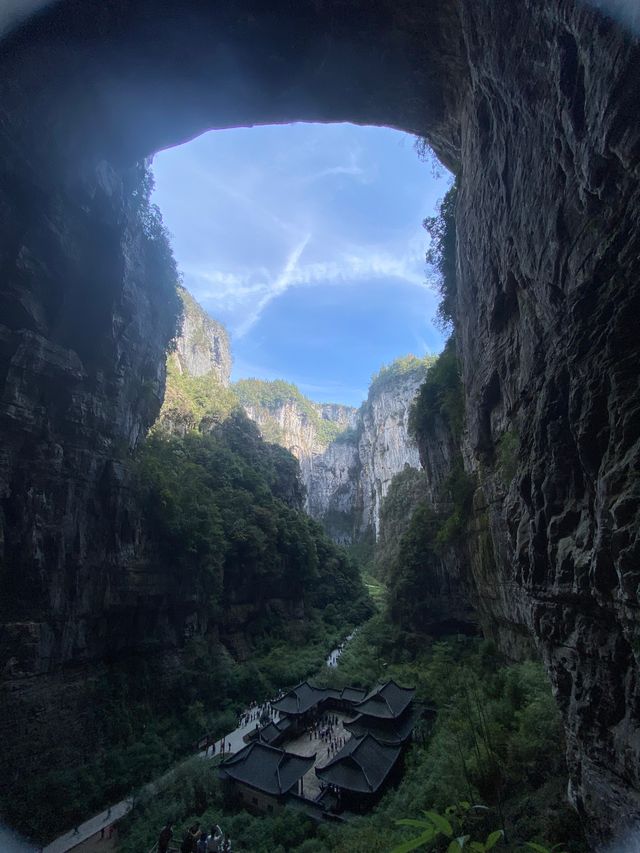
(89, 828)
(233, 741)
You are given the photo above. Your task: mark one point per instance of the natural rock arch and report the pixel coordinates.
(534, 104)
(125, 81)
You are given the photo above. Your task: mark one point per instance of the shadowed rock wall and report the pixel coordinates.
(548, 308)
(535, 106)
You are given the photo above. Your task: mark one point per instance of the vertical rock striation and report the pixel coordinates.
(202, 347)
(548, 307)
(347, 456)
(84, 323)
(385, 446)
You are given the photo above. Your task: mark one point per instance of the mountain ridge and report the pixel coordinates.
(348, 456)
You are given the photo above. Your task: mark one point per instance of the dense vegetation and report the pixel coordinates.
(226, 510)
(223, 509)
(160, 264)
(497, 740)
(193, 402)
(406, 491)
(440, 398)
(270, 395)
(417, 533)
(441, 255)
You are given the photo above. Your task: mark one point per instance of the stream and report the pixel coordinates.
(334, 656)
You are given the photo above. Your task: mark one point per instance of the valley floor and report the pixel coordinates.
(497, 741)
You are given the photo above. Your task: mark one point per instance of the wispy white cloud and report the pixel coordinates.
(253, 290)
(283, 282)
(352, 169)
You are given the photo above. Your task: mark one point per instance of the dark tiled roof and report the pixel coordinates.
(386, 701)
(269, 733)
(303, 697)
(362, 765)
(386, 731)
(265, 767)
(272, 731)
(353, 694)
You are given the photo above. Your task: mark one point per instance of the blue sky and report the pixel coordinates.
(306, 241)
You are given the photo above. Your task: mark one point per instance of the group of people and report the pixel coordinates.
(196, 840)
(329, 730)
(257, 713)
(260, 713)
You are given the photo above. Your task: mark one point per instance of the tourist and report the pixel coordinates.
(226, 846)
(201, 845)
(190, 840)
(165, 837)
(214, 841)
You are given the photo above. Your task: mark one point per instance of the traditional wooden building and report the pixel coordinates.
(262, 776)
(359, 772)
(386, 712)
(277, 731)
(381, 725)
(304, 703)
(386, 731)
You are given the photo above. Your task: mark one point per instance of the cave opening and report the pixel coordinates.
(534, 104)
(306, 242)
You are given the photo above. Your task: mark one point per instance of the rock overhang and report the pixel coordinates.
(121, 81)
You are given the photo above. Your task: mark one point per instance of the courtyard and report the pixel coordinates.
(303, 745)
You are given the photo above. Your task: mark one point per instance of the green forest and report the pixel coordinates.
(269, 395)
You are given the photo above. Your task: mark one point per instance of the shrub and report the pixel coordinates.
(441, 255)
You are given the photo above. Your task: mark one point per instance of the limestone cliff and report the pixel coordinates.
(385, 446)
(324, 439)
(347, 456)
(202, 347)
(198, 372)
(86, 315)
(534, 105)
(285, 416)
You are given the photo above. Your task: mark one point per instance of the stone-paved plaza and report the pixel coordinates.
(301, 745)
